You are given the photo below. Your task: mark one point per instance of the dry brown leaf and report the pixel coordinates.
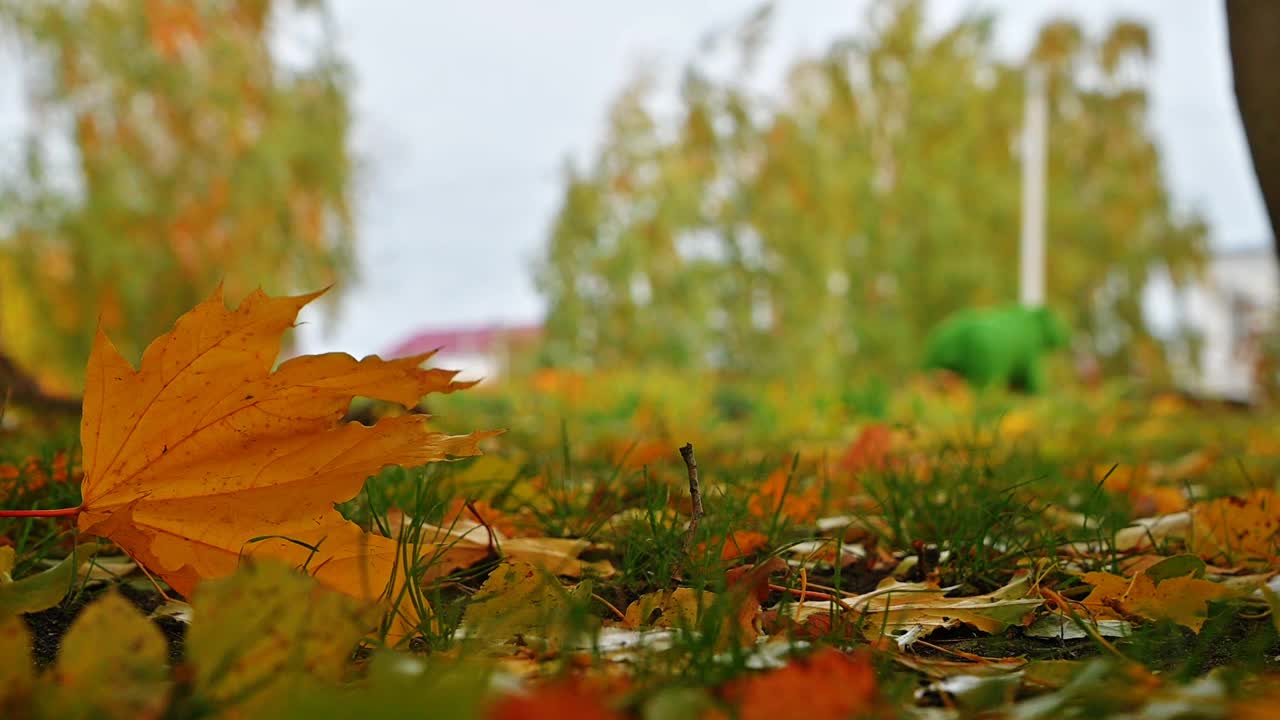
(465, 542)
(909, 611)
(558, 556)
(204, 449)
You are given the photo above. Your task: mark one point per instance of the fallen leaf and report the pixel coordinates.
(112, 660)
(558, 556)
(870, 451)
(265, 629)
(464, 543)
(1056, 626)
(1237, 530)
(17, 672)
(173, 610)
(204, 454)
(1184, 600)
(779, 495)
(828, 685)
(1147, 532)
(521, 600)
(46, 589)
(739, 543)
(809, 553)
(680, 608)
(491, 516)
(938, 668)
(482, 477)
(975, 695)
(459, 545)
(916, 609)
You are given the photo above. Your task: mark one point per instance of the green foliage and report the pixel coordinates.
(830, 227)
(199, 158)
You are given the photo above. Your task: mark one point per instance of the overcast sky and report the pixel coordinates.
(466, 111)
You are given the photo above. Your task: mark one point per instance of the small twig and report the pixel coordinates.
(695, 494)
(154, 583)
(621, 615)
(806, 594)
(493, 539)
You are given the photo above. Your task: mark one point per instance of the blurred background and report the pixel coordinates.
(790, 194)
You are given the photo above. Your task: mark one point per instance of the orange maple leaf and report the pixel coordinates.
(777, 495)
(1238, 530)
(1184, 600)
(827, 684)
(192, 459)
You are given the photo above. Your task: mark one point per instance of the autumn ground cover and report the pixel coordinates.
(916, 551)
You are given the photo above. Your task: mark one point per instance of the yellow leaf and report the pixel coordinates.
(679, 608)
(558, 556)
(520, 599)
(1184, 600)
(1237, 531)
(258, 631)
(112, 660)
(16, 672)
(204, 449)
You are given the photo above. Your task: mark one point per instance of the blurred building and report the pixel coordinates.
(477, 352)
(1234, 312)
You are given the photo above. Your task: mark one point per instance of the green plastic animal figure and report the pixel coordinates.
(997, 346)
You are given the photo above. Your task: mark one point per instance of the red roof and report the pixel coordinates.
(464, 340)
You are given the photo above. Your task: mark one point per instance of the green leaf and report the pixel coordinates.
(44, 590)
(1176, 567)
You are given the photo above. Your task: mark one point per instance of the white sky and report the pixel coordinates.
(466, 112)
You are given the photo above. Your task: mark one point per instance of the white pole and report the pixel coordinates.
(1035, 132)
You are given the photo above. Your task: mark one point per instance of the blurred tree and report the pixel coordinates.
(881, 192)
(199, 157)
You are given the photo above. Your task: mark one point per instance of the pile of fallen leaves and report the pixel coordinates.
(211, 572)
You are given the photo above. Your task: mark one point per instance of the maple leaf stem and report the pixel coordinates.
(56, 512)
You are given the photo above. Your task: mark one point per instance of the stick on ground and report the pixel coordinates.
(695, 494)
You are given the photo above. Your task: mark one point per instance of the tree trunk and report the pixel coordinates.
(1254, 30)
